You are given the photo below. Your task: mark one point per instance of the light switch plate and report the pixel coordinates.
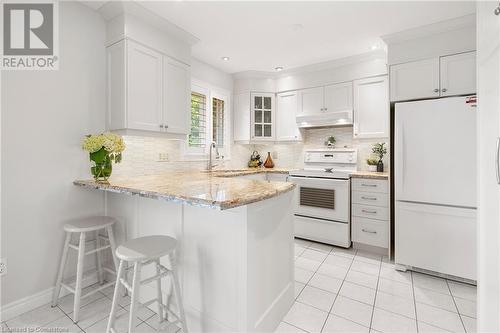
(3, 266)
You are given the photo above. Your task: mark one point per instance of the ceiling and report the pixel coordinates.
(264, 35)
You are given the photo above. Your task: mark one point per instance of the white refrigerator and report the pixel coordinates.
(435, 185)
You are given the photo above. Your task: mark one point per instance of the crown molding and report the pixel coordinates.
(431, 29)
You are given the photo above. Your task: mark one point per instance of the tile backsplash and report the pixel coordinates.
(147, 155)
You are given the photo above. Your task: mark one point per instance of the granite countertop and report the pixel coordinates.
(216, 189)
(247, 171)
(370, 175)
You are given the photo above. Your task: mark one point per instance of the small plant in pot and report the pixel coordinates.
(372, 164)
(379, 150)
(330, 142)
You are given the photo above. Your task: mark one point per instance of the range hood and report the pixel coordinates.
(339, 118)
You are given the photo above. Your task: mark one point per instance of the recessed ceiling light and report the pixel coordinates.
(374, 47)
(225, 58)
(278, 69)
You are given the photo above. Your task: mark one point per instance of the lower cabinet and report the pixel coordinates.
(370, 212)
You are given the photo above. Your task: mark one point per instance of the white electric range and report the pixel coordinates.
(322, 211)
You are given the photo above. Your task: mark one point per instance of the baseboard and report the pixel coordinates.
(32, 302)
(270, 319)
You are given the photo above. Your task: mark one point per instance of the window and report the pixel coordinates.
(197, 137)
(218, 122)
(210, 120)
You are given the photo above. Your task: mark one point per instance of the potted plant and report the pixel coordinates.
(379, 150)
(330, 141)
(103, 149)
(372, 164)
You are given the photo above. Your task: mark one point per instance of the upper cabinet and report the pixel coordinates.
(241, 124)
(262, 116)
(311, 101)
(371, 108)
(286, 111)
(325, 106)
(458, 74)
(338, 97)
(147, 90)
(435, 77)
(417, 79)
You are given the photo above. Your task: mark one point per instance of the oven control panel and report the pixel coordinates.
(331, 156)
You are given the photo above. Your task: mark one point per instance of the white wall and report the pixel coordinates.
(45, 114)
(488, 55)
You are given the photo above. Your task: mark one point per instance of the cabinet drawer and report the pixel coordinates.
(370, 185)
(370, 198)
(371, 212)
(371, 232)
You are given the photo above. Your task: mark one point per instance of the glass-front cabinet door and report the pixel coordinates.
(262, 116)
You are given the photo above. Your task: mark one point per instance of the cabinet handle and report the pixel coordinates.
(161, 126)
(369, 211)
(368, 198)
(369, 231)
(436, 90)
(497, 166)
(369, 185)
(326, 109)
(444, 90)
(166, 126)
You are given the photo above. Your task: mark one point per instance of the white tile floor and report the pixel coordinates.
(339, 290)
(93, 316)
(336, 290)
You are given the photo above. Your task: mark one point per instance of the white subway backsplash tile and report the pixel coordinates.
(142, 154)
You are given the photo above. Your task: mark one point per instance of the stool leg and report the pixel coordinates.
(159, 293)
(178, 297)
(112, 244)
(64, 256)
(98, 258)
(114, 305)
(79, 277)
(136, 283)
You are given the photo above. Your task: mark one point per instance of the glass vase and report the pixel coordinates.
(101, 165)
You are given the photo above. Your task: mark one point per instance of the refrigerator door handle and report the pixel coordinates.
(497, 166)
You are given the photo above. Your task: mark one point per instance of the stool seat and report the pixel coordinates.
(146, 248)
(87, 224)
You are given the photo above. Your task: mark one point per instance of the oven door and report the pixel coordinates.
(323, 198)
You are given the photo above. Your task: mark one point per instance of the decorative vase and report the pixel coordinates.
(372, 168)
(102, 165)
(380, 166)
(269, 161)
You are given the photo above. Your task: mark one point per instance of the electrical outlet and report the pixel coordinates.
(163, 157)
(275, 155)
(3, 266)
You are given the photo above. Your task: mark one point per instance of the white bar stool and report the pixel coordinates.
(83, 226)
(144, 251)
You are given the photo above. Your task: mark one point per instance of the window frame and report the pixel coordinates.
(211, 92)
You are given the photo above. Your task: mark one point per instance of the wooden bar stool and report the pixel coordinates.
(83, 226)
(144, 251)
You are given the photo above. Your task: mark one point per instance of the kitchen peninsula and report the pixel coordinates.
(236, 242)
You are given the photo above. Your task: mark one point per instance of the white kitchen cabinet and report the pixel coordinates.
(311, 101)
(148, 91)
(262, 117)
(144, 88)
(449, 75)
(458, 74)
(338, 97)
(286, 111)
(370, 220)
(371, 108)
(242, 117)
(177, 97)
(413, 80)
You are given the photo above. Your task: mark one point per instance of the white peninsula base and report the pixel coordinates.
(236, 265)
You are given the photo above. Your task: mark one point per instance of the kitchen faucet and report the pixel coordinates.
(210, 165)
